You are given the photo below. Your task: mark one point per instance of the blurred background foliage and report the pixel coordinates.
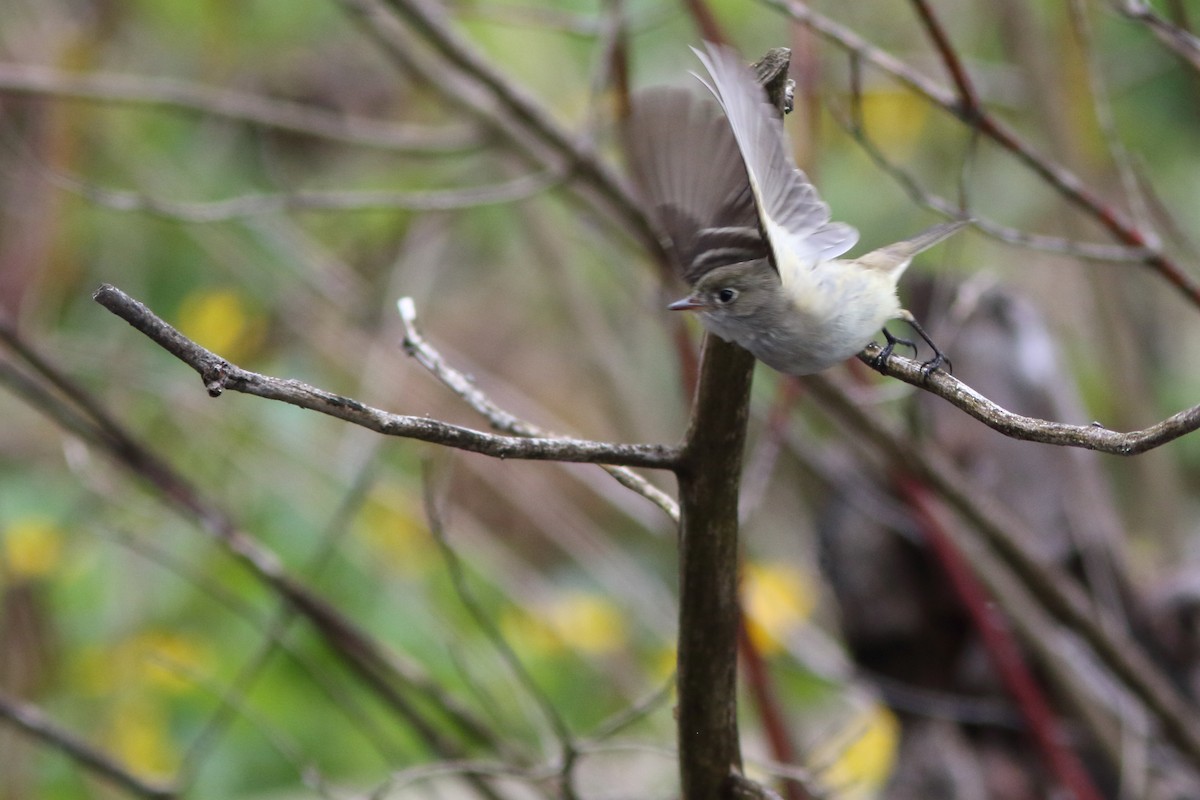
(131, 628)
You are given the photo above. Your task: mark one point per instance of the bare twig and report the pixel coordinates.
(219, 375)
(256, 109)
(1089, 437)
(32, 721)
(417, 347)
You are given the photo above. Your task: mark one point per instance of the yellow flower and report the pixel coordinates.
(900, 114)
(32, 548)
(168, 661)
(140, 737)
(576, 620)
(527, 634)
(775, 601)
(588, 622)
(220, 321)
(861, 767)
(393, 533)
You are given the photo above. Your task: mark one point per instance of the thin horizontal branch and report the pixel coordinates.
(1089, 437)
(310, 200)
(219, 375)
(256, 109)
(428, 357)
(33, 722)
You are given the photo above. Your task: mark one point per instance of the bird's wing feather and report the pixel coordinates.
(793, 216)
(687, 168)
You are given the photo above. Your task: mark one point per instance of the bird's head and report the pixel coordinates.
(736, 291)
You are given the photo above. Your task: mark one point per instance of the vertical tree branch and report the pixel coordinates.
(709, 479)
(709, 475)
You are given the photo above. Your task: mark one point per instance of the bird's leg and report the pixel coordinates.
(939, 358)
(892, 341)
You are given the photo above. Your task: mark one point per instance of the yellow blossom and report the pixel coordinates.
(775, 601)
(32, 547)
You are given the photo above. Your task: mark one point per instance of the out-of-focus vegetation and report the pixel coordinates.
(128, 625)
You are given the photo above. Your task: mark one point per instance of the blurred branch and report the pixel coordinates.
(771, 713)
(1045, 728)
(256, 109)
(1061, 596)
(273, 635)
(1182, 42)
(1091, 251)
(398, 684)
(219, 375)
(1089, 437)
(458, 580)
(30, 719)
(970, 106)
(966, 107)
(469, 81)
(313, 200)
(462, 385)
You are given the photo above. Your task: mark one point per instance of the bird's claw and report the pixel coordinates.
(934, 364)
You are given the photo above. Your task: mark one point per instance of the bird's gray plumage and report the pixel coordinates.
(748, 231)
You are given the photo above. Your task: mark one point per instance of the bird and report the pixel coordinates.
(747, 230)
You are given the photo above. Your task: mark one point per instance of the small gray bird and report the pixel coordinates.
(750, 235)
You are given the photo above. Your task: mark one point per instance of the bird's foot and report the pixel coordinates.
(884, 354)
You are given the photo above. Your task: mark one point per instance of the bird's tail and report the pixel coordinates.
(894, 258)
(931, 236)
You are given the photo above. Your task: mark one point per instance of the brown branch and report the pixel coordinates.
(219, 375)
(1058, 177)
(1089, 437)
(968, 97)
(709, 479)
(33, 722)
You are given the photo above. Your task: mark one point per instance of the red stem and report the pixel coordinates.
(757, 678)
(1001, 647)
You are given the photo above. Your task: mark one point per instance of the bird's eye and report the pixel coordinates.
(726, 296)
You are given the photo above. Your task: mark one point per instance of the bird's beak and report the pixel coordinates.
(687, 304)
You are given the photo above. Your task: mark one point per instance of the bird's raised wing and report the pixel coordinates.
(793, 216)
(688, 171)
